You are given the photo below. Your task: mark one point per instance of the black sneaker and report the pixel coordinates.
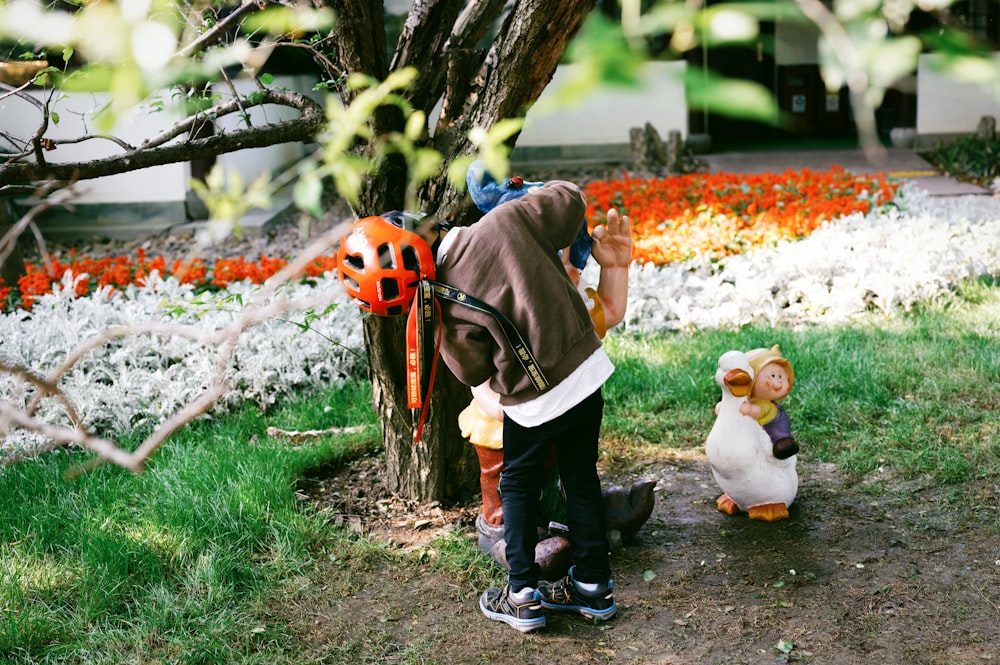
(497, 604)
(566, 596)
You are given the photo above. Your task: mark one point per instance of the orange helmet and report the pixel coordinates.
(380, 265)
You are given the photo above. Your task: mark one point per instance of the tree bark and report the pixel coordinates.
(442, 466)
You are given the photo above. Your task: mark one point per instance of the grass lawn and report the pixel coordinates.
(186, 562)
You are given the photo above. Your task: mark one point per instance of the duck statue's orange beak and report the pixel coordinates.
(738, 381)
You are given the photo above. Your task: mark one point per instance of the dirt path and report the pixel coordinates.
(856, 575)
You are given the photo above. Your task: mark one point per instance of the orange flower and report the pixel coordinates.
(322, 264)
(720, 214)
(189, 272)
(673, 219)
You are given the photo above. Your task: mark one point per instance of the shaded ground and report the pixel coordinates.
(847, 579)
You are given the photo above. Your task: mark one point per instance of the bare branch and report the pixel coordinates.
(45, 388)
(298, 436)
(265, 305)
(857, 76)
(217, 32)
(157, 151)
(9, 239)
(61, 436)
(421, 45)
(473, 22)
(89, 137)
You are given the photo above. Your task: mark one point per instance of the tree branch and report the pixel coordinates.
(156, 151)
(421, 44)
(220, 29)
(857, 76)
(9, 239)
(265, 305)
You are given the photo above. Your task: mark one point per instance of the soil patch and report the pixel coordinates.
(858, 574)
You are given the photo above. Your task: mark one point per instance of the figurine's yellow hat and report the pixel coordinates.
(760, 357)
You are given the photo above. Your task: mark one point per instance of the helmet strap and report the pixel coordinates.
(422, 349)
(441, 228)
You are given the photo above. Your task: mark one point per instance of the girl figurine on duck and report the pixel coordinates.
(773, 378)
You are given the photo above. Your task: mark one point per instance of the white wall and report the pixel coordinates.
(76, 113)
(947, 106)
(606, 115)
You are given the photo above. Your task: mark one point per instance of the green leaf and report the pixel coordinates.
(267, 79)
(425, 164)
(283, 20)
(457, 170)
(604, 52)
(732, 97)
(848, 10)
(602, 56)
(949, 41)
(665, 17)
(348, 175)
(89, 78)
(973, 69)
(765, 11)
(415, 125)
(729, 26)
(308, 193)
(891, 59)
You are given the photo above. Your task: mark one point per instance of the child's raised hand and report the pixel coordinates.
(613, 241)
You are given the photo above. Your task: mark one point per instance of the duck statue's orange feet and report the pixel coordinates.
(769, 512)
(727, 505)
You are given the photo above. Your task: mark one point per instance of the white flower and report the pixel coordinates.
(857, 264)
(140, 380)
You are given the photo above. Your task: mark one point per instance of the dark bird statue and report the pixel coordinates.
(628, 509)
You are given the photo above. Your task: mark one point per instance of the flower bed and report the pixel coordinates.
(90, 275)
(880, 259)
(674, 219)
(681, 217)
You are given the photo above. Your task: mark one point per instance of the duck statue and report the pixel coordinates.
(739, 451)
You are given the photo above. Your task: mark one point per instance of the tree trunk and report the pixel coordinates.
(442, 466)
(478, 88)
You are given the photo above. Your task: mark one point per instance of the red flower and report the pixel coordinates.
(673, 219)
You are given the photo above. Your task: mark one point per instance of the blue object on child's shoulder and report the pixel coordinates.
(579, 251)
(487, 194)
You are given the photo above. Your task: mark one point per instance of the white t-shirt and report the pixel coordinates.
(578, 386)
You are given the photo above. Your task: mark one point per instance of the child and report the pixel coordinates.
(481, 421)
(549, 389)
